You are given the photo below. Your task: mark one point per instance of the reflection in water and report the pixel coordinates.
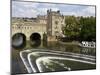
(35, 43)
(18, 41)
(54, 46)
(45, 44)
(88, 51)
(71, 48)
(60, 47)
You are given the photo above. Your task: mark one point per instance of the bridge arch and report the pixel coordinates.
(19, 40)
(35, 39)
(35, 36)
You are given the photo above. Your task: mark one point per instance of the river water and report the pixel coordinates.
(17, 64)
(68, 47)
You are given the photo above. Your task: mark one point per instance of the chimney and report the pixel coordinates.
(47, 11)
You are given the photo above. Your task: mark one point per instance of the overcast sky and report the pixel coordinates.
(32, 9)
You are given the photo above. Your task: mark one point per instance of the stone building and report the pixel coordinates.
(55, 23)
(51, 24)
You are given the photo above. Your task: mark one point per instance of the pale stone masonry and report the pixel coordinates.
(55, 23)
(51, 24)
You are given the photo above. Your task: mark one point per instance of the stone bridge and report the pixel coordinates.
(33, 28)
(29, 29)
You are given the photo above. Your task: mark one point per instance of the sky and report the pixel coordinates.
(32, 9)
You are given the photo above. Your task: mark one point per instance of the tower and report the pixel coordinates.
(49, 23)
(55, 23)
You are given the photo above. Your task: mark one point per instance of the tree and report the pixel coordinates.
(80, 28)
(88, 29)
(72, 27)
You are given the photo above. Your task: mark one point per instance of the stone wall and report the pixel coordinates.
(27, 28)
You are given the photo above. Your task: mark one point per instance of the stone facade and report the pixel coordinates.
(51, 24)
(55, 23)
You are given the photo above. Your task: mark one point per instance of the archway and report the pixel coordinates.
(35, 39)
(18, 40)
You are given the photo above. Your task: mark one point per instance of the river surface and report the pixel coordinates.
(17, 64)
(66, 47)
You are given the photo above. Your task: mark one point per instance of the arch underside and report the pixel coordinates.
(18, 40)
(35, 39)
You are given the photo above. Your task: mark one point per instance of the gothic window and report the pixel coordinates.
(56, 22)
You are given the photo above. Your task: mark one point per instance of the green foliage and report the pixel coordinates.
(81, 28)
(72, 27)
(88, 30)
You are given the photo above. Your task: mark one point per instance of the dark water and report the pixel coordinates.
(68, 47)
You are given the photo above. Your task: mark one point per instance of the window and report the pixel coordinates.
(56, 22)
